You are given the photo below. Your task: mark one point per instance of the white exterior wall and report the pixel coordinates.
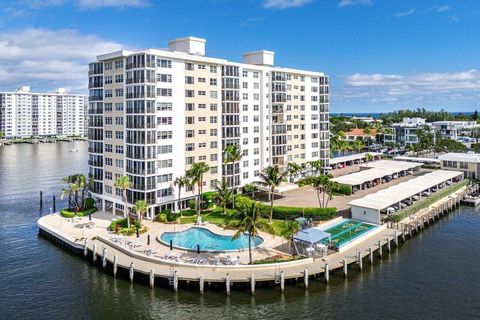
(366, 215)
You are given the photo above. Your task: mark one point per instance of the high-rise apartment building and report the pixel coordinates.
(154, 113)
(25, 114)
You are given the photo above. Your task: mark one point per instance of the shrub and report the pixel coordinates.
(161, 217)
(285, 213)
(192, 204)
(70, 213)
(172, 217)
(132, 230)
(343, 189)
(303, 182)
(123, 224)
(89, 203)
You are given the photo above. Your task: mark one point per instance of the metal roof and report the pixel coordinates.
(461, 157)
(352, 157)
(377, 170)
(311, 235)
(395, 194)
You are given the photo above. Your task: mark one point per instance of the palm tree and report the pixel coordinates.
(368, 157)
(358, 145)
(289, 229)
(272, 176)
(140, 207)
(325, 187)
(124, 183)
(368, 131)
(195, 173)
(316, 165)
(293, 169)
(232, 154)
(249, 220)
(181, 182)
(224, 195)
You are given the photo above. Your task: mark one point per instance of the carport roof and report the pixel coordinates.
(352, 157)
(395, 194)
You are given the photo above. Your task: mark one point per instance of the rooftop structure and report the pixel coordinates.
(358, 133)
(468, 163)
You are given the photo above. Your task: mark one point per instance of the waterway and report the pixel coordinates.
(434, 276)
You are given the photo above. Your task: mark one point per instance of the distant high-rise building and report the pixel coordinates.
(154, 113)
(25, 114)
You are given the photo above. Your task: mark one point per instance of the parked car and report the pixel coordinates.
(416, 198)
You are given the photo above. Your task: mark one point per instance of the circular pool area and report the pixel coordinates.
(208, 240)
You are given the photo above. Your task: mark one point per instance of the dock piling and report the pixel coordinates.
(41, 199)
(175, 281)
(389, 244)
(380, 247)
(227, 284)
(132, 271)
(94, 252)
(252, 283)
(282, 281)
(396, 238)
(327, 273)
(85, 248)
(104, 257)
(152, 278)
(54, 204)
(345, 267)
(371, 255)
(360, 262)
(305, 277)
(201, 283)
(115, 265)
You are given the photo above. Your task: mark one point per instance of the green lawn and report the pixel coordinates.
(217, 217)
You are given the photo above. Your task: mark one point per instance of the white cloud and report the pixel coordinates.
(402, 14)
(46, 59)
(447, 89)
(346, 3)
(284, 4)
(443, 8)
(94, 4)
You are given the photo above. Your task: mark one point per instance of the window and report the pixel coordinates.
(164, 135)
(189, 120)
(119, 106)
(201, 66)
(108, 148)
(108, 107)
(119, 149)
(213, 144)
(161, 63)
(164, 77)
(108, 79)
(213, 157)
(189, 133)
(213, 132)
(119, 135)
(164, 149)
(164, 92)
(164, 106)
(164, 192)
(190, 147)
(108, 120)
(203, 80)
(213, 94)
(164, 163)
(108, 65)
(213, 119)
(189, 93)
(118, 78)
(108, 134)
(201, 93)
(213, 69)
(255, 75)
(189, 80)
(189, 107)
(119, 65)
(189, 160)
(164, 120)
(108, 189)
(108, 161)
(119, 121)
(213, 82)
(108, 93)
(188, 66)
(244, 73)
(119, 163)
(118, 92)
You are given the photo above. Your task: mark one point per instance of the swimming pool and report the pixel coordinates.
(208, 240)
(346, 231)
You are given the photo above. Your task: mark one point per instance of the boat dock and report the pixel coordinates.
(155, 271)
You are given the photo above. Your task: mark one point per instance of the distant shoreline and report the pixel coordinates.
(378, 114)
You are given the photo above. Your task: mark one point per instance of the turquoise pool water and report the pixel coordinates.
(208, 241)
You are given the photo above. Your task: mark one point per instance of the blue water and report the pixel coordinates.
(208, 241)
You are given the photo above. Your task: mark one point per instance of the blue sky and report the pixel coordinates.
(381, 54)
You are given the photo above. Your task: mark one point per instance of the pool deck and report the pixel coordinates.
(97, 245)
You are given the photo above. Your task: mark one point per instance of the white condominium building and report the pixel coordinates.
(25, 114)
(154, 113)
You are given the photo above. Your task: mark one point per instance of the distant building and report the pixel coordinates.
(468, 163)
(25, 114)
(454, 129)
(366, 119)
(405, 132)
(355, 134)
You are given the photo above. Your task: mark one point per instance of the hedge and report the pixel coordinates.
(123, 226)
(283, 213)
(402, 214)
(344, 189)
(70, 213)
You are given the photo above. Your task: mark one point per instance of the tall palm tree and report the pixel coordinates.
(368, 157)
(124, 183)
(232, 154)
(140, 207)
(293, 169)
(272, 177)
(324, 187)
(181, 182)
(195, 173)
(289, 229)
(224, 195)
(249, 220)
(316, 165)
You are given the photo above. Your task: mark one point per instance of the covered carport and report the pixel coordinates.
(352, 159)
(371, 207)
